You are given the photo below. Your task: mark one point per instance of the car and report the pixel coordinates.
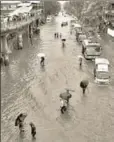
(101, 71)
(82, 37)
(64, 24)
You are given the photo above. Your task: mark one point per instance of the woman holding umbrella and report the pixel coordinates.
(84, 85)
(63, 42)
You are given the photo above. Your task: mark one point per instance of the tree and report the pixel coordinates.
(51, 7)
(75, 7)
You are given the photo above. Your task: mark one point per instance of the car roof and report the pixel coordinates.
(90, 42)
(101, 61)
(103, 68)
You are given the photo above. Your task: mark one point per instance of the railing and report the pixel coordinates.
(17, 24)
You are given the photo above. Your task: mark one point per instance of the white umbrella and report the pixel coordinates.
(80, 56)
(41, 55)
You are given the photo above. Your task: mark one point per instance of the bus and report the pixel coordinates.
(91, 49)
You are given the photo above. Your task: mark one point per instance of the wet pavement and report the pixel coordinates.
(28, 88)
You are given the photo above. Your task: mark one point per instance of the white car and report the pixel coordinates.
(101, 71)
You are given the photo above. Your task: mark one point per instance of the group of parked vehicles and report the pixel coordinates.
(92, 50)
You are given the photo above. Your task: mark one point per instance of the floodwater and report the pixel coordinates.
(26, 87)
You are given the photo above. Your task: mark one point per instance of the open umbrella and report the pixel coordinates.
(65, 95)
(84, 83)
(41, 55)
(20, 117)
(63, 39)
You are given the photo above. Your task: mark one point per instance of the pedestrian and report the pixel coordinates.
(33, 129)
(55, 35)
(84, 85)
(21, 126)
(20, 121)
(66, 96)
(80, 61)
(60, 35)
(42, 61)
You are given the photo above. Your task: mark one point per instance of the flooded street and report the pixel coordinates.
(26, 87)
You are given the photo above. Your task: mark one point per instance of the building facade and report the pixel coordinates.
(8, 6)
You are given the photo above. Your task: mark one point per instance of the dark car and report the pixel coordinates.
(64, 24)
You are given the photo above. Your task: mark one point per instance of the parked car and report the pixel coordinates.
(82, 37)
(78, 33)
(64, 24)
(101, 71)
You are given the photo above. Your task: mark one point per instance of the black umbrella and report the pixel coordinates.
(63, 39)
(84, 83)
(21, 117)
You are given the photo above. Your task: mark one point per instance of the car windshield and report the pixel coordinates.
(93, 48)
(83, 36)
(103, 75)
(90, 51)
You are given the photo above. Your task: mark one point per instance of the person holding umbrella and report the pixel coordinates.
(63, 42)
(55, 35)
(65, 100)
(20, 121)
(33, 130)
(84, 85)
(66, 96)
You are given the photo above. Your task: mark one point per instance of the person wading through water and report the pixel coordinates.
(55, 35)
(33, 130)
(42, 61)
(84, 85)
(20, 121)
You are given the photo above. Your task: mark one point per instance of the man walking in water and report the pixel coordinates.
(33, 130)
(84, 85)
(42, 61)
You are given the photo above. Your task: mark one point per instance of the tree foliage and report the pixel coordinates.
(51, 7)
(75, 7)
